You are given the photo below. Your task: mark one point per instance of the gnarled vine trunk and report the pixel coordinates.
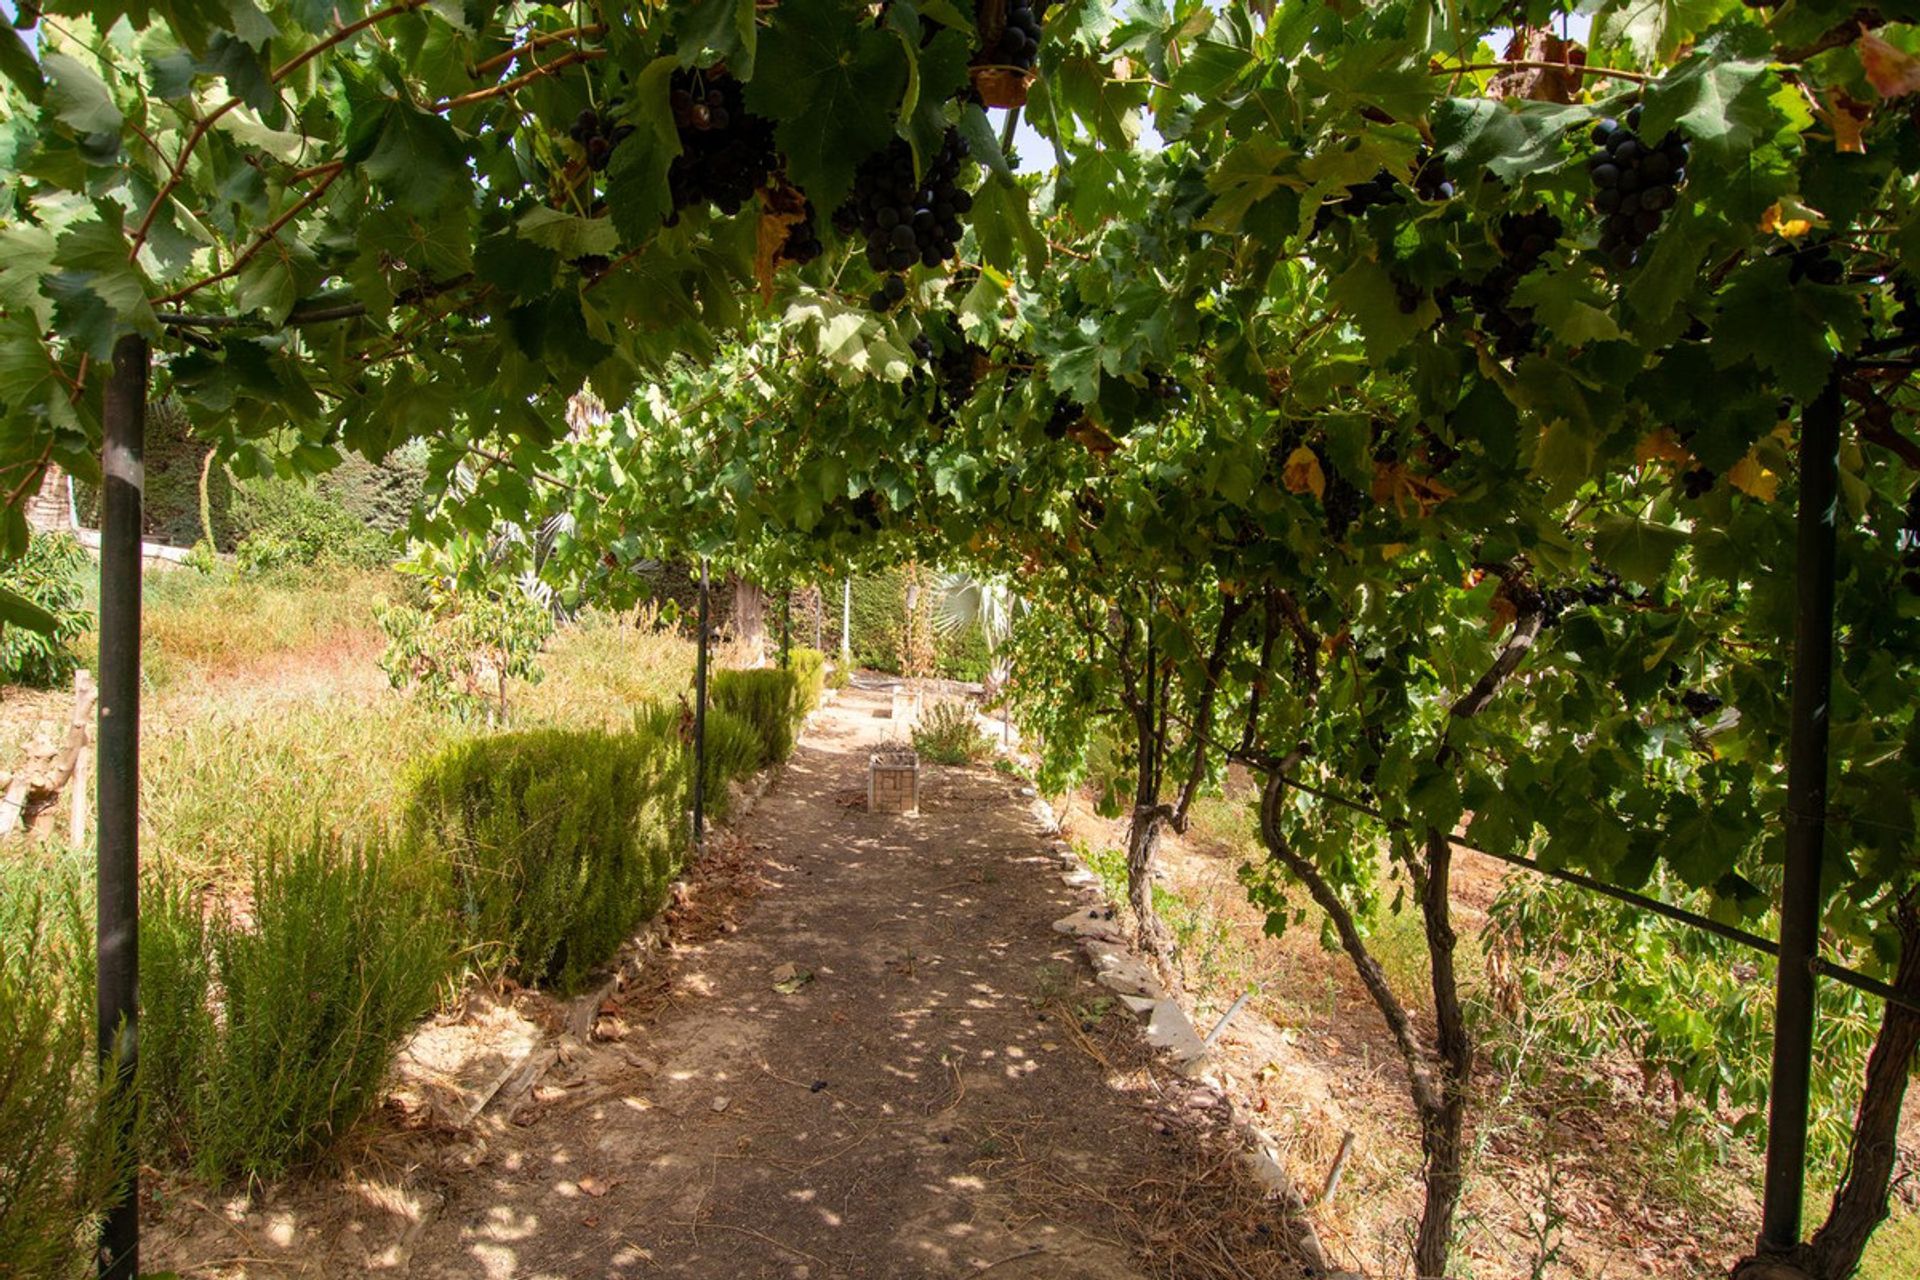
(1442, 1126)
(1143, 841)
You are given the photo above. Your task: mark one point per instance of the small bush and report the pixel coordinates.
(559, 843)
(809, 668)
(768, 699)
(57, 1135)
(734, 749)
(52, 572)
(272, 1028)
(285, 524)
(948, 734)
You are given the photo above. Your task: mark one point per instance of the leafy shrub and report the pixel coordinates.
(462, 651)
(809, 667)
(57, 1145)
(768, 699)
(948, 734)
(52, 572)
(559, 843)
(335, 958)
(284, 524)
(734, 748)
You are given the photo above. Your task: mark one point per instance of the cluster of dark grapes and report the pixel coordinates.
(1019, 43)
(1430, 181)
(1910, 544)
(1524, 239)
(1633, 184)
(597, 136)
(1376, 192)
(956, 370)
(903, 219)
(1066, 415)
(1555, 601)
(1166, 388)
(802, 244)
(1700, 704)
(726, 152)
(1343, 500)
(1812, 261)
(1697, 482)
(1906, 321)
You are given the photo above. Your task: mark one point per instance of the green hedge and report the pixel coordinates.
(340, 952)
(734, 748)
(52, 572)
(58, 1162)
(809, 668)
(767, 698)
(559, 843)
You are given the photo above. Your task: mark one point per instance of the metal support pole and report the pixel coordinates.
(700, 722)
(846, 626)
(118, 863)
(1800, 901)
(786, 627)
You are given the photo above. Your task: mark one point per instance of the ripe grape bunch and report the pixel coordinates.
(905, 220)
(1524, 239)
(597, 136)
(1633, 184)
(1378, 191)
(1019, 43)
(726, 152)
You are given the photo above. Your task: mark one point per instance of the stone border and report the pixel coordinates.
(1119, 968)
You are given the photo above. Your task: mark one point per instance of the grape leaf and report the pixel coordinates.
(637, 192)
(567, 235)
(18, 65)
(1638, 550)
(1787, 329)
(79, 98)
(420, 159)
(831, 84)
(1511, 139)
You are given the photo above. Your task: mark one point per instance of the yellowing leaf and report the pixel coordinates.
(1894, 72)
(1660, 445)
(1847, 117)
(1753, 479)
(1302, 474)
(1789, 219)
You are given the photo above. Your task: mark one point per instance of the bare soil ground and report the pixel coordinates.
(937, 1089)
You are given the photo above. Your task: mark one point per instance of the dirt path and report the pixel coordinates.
(951, 1094)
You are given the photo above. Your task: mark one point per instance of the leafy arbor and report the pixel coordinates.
(1465, 500)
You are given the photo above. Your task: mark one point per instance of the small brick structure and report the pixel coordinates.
(893, 782)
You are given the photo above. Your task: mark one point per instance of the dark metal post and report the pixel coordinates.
(700, 722)
(786, 626)
(118, 863)
(1800, 900)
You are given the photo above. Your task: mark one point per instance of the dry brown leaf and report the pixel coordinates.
(1847, 116)
(1893, 72)
(1392, 482)
(1790, 219)
(782, 207)
(1541, 84)
(1302, 473)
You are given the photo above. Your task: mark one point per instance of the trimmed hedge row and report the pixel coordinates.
(270, 1022)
